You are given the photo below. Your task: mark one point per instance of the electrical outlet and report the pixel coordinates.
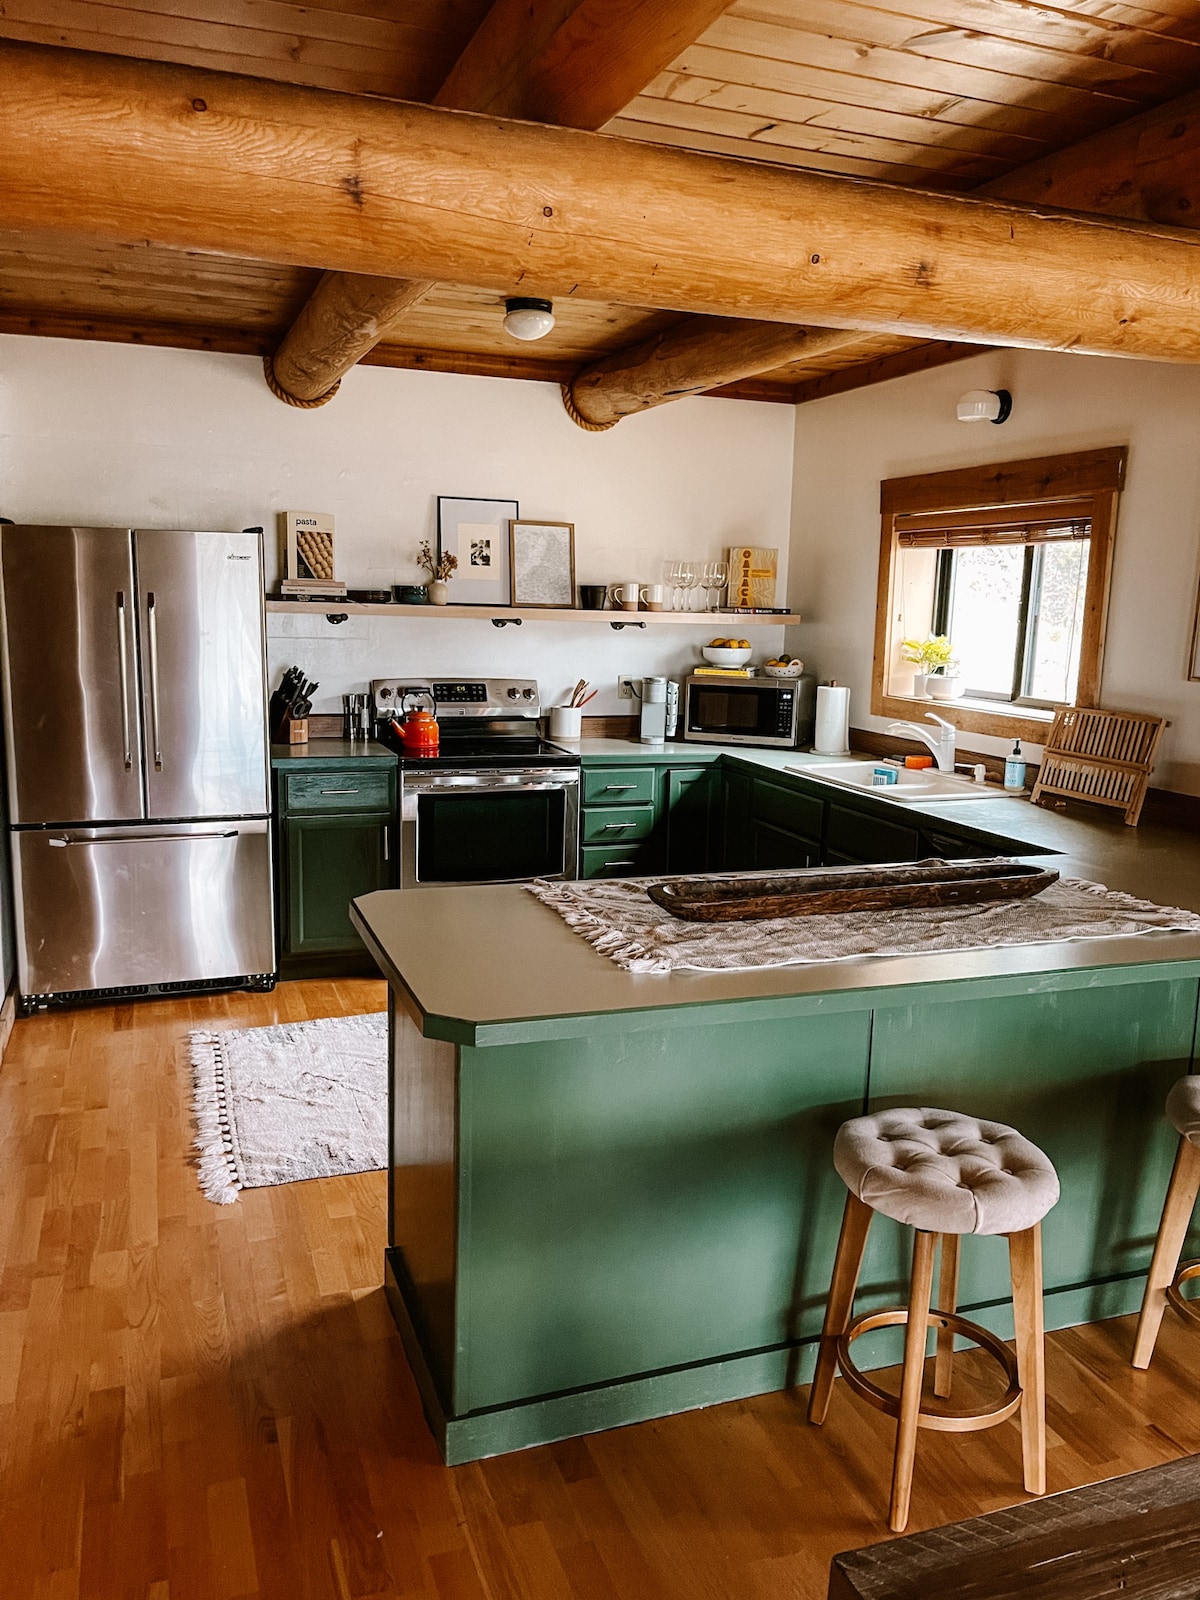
(625, 688)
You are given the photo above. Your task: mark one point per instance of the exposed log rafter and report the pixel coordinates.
(571, 62)
(132, 151)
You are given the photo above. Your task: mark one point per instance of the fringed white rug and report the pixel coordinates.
(292, 1101)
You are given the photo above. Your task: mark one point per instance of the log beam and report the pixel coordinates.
(572, 62)
(132, 151)
(343, 319)
(698, 354)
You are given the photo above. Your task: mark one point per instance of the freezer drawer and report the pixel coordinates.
(105, 908)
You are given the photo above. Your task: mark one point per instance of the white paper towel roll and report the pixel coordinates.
(833, 721)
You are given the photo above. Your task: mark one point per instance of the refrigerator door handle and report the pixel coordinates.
(124, 661)
(152, 624)
(145, 837)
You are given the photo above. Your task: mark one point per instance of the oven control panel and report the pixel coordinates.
(461, 697)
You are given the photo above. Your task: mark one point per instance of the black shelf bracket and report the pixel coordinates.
(503, 622)
(617, 626)
(337, 616)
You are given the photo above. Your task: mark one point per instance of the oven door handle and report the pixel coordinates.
(448, 786)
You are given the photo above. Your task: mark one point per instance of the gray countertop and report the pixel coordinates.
(472, 960)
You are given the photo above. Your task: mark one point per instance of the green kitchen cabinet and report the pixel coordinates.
(686, 813)
(336, 840)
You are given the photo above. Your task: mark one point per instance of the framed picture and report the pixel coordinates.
(476, 531)
(542, 555)
(752, 571)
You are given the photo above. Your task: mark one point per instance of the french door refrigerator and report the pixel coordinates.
(134, 685)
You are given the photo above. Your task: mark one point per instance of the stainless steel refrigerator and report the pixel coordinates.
(134, 682)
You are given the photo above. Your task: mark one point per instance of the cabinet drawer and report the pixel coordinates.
(353, 790)
(862, 837)
(787, 808)
(618, 786)
(614, 860)
(616, 824)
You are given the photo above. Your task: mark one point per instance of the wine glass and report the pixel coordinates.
(689, 577)
(718, 577)
(673, 574)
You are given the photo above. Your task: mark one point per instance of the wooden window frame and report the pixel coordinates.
(1092, 476)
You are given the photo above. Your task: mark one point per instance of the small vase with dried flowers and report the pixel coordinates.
(439, 568)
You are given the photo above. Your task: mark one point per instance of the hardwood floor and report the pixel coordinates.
(204, 1402)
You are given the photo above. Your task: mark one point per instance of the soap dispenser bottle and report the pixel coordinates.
(1014, 770)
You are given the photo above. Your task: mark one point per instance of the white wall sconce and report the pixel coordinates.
(984, 405)
(528, 319)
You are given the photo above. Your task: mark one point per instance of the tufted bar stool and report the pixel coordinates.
(942, 1174)
(1166, 1275)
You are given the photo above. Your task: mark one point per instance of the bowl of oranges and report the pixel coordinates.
(726, 652)
(783, 667)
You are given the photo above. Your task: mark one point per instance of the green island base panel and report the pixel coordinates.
(625, 1223)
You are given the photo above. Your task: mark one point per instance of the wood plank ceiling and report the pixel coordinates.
(950, 95)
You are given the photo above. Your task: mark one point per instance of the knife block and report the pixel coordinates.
(297, 730)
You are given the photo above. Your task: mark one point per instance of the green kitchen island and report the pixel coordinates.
(611, 1196)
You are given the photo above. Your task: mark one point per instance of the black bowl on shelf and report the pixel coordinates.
(369, 597)
(410, 594)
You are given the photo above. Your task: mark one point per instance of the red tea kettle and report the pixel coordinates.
(419, 732)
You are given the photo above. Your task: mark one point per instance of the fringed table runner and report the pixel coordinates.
(621, 920)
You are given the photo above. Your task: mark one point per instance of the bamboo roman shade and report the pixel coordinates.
(1014, 525)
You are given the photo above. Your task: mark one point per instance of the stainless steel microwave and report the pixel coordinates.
(763, 711)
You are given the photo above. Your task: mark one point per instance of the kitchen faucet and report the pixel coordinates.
(941, 743)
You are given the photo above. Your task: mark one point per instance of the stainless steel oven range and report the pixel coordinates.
(497, 803)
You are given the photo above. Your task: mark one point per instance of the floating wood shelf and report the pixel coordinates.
(502, 615)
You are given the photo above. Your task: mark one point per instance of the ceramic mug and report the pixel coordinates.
(653, 596)
(593, 595)
(624, 595)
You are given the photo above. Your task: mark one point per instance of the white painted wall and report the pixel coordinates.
(117, 434)
(847, 444)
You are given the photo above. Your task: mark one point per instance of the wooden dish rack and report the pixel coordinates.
(1102, 756)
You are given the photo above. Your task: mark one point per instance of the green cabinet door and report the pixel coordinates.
(772, 847)
(330, 861)
(686, 808)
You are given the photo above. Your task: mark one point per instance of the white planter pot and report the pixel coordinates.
(920, 686)
(943, 688)
(438, 593)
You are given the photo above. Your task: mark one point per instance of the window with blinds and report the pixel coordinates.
(1011, 561)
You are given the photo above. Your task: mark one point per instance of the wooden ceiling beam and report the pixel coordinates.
(698, 355)
(134, 150)
(572, 62)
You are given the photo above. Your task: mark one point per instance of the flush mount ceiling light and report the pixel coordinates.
(528, 319)
(984, 405)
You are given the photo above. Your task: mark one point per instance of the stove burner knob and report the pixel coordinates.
(529, 694)
(514, 694)
(385, 694)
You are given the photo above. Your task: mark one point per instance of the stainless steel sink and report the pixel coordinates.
(913, 785)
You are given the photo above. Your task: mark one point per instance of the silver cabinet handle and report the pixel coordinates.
(607, 866)
(339, 791)
(124, 660)
(152, 620)
(141, 838)
(618, 788)
(387, 843)
(610, 826)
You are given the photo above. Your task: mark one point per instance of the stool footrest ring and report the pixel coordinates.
(934, 1413)
(1188, 1309)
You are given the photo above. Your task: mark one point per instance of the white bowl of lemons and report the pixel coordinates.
(727, 652)
(783, 667)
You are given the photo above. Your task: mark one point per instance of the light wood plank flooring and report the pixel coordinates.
(210, 1403)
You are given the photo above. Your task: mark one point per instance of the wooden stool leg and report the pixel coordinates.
(852, 1242)
(1025, 1264)
(947, 1300)
(916, 1336)
(1168, 1247)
